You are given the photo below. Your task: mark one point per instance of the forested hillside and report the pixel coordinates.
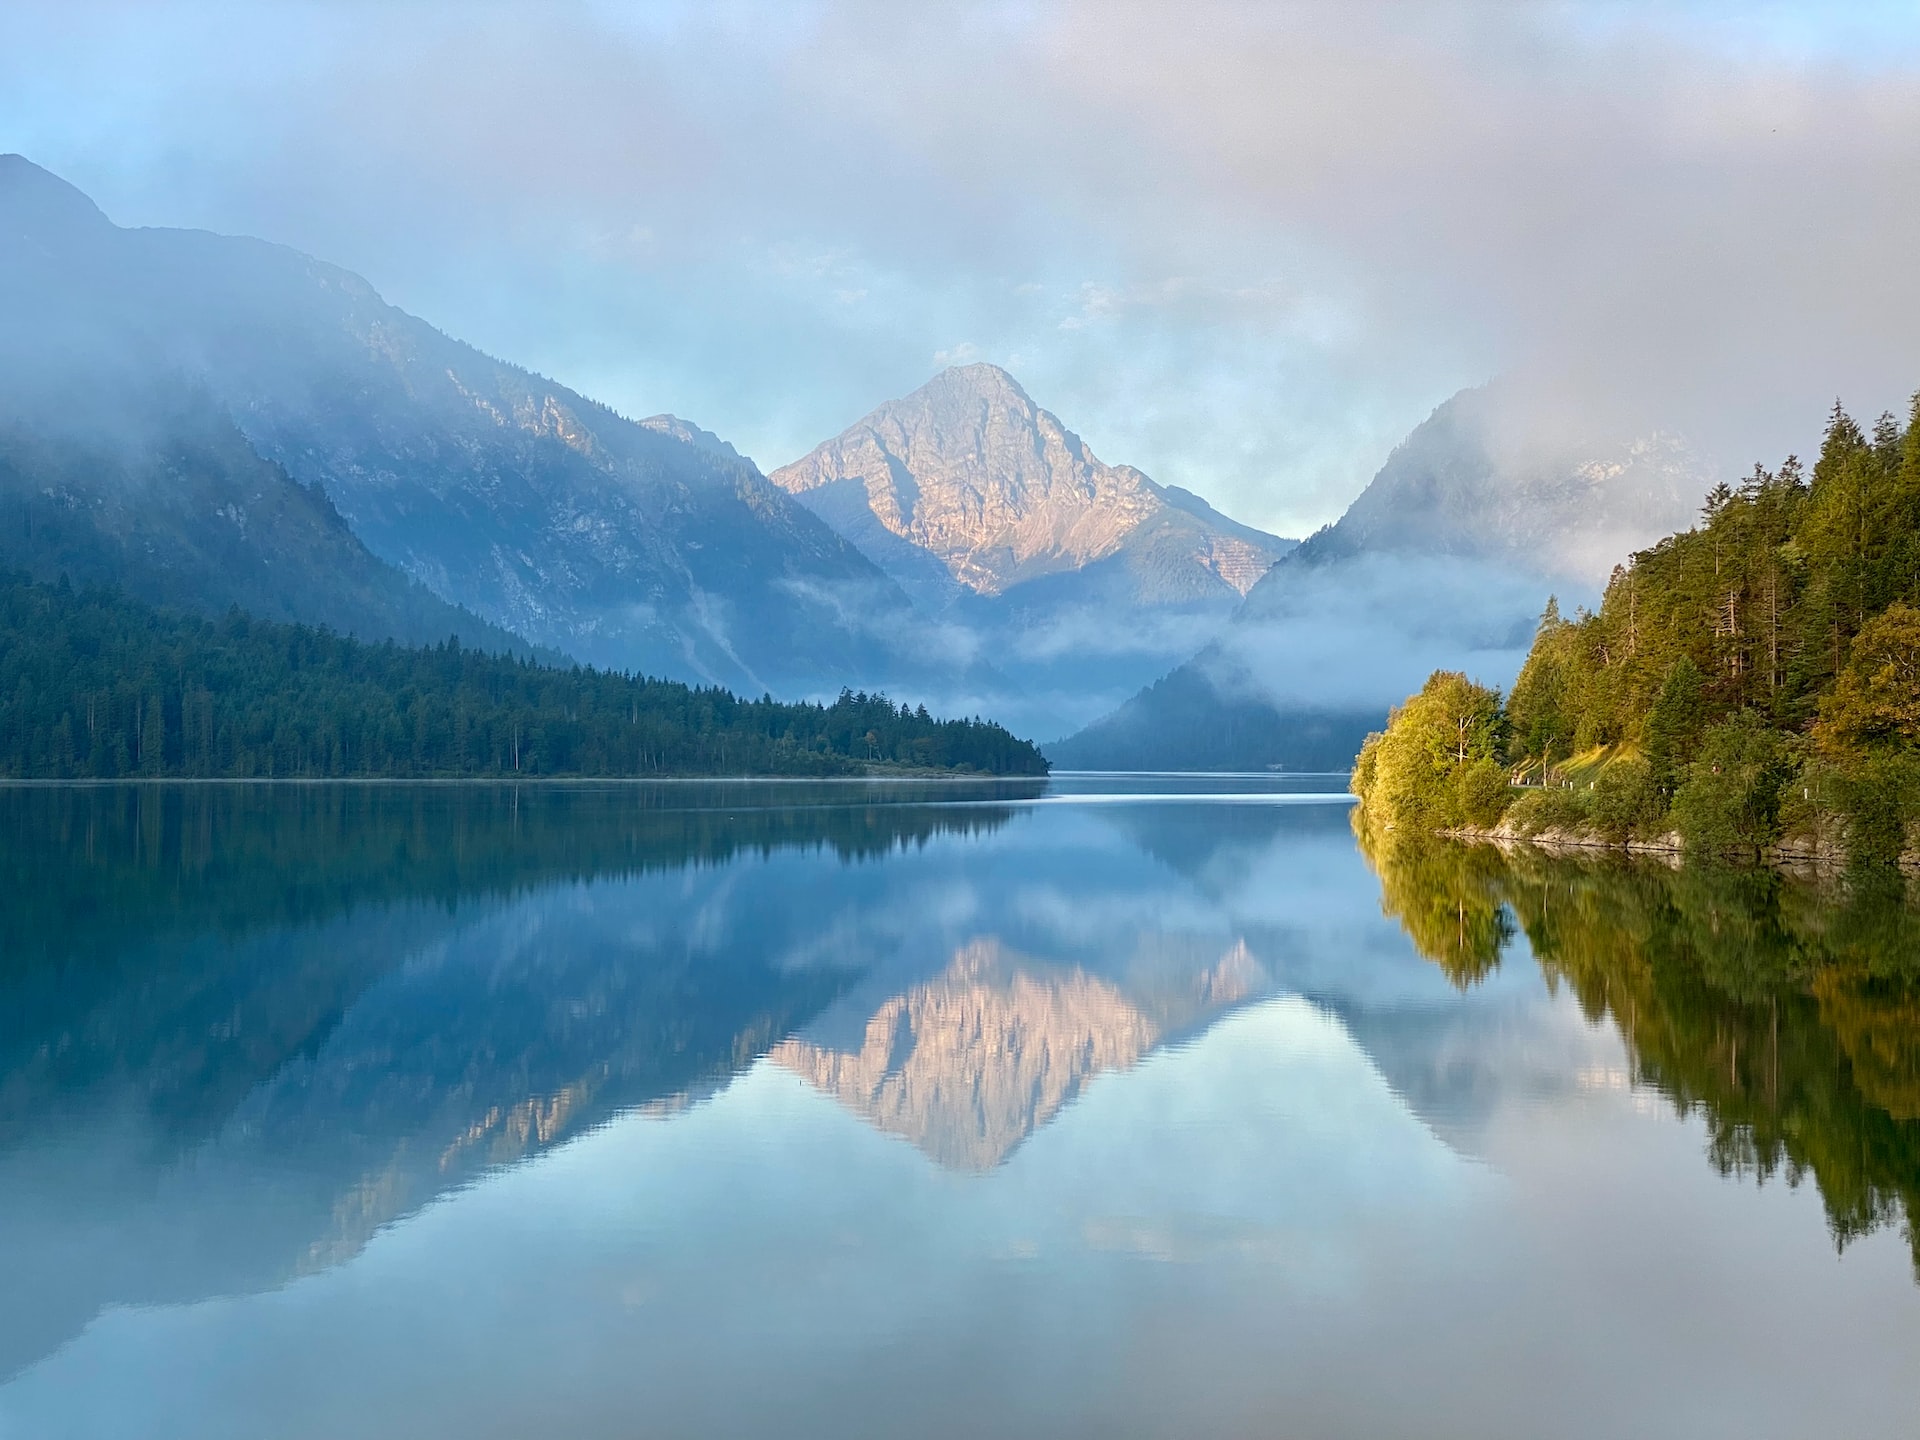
(95, 684)
(1753, 680)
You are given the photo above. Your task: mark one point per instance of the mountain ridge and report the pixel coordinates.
(1444, 558)
(631, 545)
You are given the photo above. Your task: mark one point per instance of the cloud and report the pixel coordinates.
(1365, 633)
(1245, 249)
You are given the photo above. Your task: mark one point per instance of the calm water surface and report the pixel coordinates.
(1109, 1106)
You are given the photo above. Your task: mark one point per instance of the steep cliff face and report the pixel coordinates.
(971, 471)
(1444, 561)
(969, 1063)
(645, 546)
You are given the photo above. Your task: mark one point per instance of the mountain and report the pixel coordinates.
(167, 500)
(115, 470)
(1075, 575)
(647, 546)
(1445, 560)
(970, 1062)
(1470, 481)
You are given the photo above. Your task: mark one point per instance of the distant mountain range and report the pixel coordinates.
(1445, 559)
(647, 546)
(1076, 578)
(212, 421)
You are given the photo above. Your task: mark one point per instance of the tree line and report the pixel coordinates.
(94, 684)
(1751, 682)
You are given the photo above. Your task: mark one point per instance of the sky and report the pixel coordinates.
(1243, 247)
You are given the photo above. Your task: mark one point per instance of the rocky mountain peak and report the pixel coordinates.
(980, 380)
(969, 470)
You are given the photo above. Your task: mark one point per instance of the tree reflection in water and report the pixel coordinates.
(1783, 1010)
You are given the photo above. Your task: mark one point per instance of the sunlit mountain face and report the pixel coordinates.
(607, 1057)
(1080, 579)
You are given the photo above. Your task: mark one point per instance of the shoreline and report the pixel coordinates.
(1821, 860)
(98, 782)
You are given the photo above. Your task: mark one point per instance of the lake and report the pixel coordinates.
(1103, 1106)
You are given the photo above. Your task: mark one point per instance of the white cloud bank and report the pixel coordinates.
(1244, 247)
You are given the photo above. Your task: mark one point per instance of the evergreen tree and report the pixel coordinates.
(101, 686)
(1787, 620)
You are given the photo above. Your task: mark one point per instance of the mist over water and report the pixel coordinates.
(1364, 634)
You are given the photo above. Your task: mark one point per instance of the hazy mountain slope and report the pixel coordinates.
(186, 514)
(111, 471)
(1079, 578)
(1471, 481)
(1444, 560)
(626, 544)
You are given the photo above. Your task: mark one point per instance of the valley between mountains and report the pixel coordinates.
(206, 422)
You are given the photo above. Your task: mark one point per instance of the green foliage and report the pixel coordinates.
(1366, 767)
(1625, 802)
(1878, 795)
(1792, 611)
(1550, 809)
(1538, 712)
(1730, 801)
(1875, 700)
(1813, 805)
(1481, 793)
(93, 684)
(1411, 774)
(1676, 720)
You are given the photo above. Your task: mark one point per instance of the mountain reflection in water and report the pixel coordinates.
(707, 1062)
(242, 1028)
(967, 1064)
